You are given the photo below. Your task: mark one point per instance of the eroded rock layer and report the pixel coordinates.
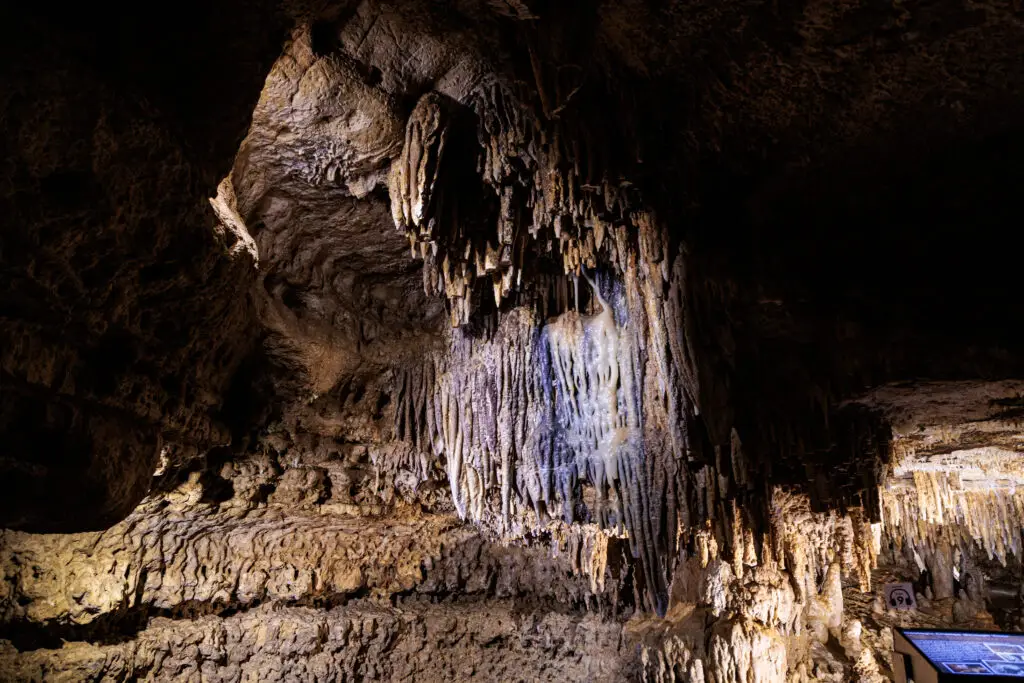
(282, 579)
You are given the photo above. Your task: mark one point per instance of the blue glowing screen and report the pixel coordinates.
(971, 654)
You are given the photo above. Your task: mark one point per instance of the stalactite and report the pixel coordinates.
(537, 408)
(526, 414)
(414, 176)
(939, 510)
(808, 542)
(560, 385)
(543, 202)
(602, 392)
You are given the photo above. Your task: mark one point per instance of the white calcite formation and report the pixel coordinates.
(532, 410)
(941, 511)
(953, 490)
(767, 615)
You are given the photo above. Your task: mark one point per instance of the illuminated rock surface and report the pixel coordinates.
(508, 340)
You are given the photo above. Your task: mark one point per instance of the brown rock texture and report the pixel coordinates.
(355, 642)
(125, 313)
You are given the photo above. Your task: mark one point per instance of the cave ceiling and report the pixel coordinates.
(831, 138)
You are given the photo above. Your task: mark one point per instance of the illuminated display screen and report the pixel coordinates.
(971, 654)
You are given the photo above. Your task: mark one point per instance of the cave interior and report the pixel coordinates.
(508, 339)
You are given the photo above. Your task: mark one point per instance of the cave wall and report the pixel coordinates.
(125, 312)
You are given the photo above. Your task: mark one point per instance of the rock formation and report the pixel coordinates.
(506, 339)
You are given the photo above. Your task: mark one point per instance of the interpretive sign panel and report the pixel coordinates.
(959, 655)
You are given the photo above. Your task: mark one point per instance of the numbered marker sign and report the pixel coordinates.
(900, 596)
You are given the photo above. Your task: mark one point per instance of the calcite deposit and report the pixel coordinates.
(507, 339)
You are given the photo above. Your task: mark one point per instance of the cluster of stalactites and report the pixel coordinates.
(750, 592)
(522, 417)
(789, 576)
(940, 511)
(807, 542)
(798, 541)
(588, 548)
(550, 200)
(535, 407)
(529, 411)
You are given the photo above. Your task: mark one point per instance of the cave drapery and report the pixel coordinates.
(510, 339)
